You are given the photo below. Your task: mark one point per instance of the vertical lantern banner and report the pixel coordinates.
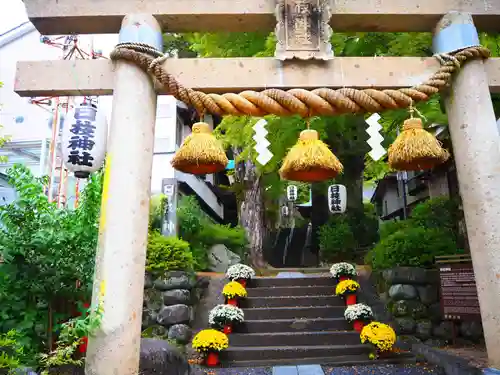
(337, 198)
(84, 140)
(291, 193)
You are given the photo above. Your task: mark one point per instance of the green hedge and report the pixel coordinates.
(167, 254)
(431, 231)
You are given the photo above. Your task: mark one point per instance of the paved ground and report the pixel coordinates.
(356, 370)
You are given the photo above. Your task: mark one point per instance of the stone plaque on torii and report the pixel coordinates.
(122, 240)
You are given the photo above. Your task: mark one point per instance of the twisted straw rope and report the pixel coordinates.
(321, 101)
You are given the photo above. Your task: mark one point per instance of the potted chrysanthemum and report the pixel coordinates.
(347, 289)
(358, 314)
(380, 335)
(225, 317)
(233, 291)
(210, 342)
(342, 271)
(240, 273)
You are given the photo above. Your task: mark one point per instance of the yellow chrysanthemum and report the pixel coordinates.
(210, 340)
(346, 286)
(234, 289)
(378, 334)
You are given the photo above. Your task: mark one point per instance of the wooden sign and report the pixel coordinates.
(459, 299)
(302, 30)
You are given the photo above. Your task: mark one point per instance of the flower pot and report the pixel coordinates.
(343, 278)
(83, 346)
(358, 325)
(232, 301)
(243, 282)
(228, 329)
(212, 359)
(350, 299)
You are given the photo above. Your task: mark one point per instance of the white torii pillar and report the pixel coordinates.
(474, 135)
(120, 261)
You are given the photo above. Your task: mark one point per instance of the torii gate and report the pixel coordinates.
(125, 206)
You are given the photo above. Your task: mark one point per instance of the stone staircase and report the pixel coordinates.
(290, 321)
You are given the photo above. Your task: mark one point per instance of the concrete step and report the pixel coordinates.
(286, 301)
(292, 291)
(256, 353)
(269, 313)
(337, 361)
(293, 325)
(295, 338)
(260, 282)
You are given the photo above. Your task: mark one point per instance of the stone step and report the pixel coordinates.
(260, 282)
(293, 325)
(256, 353)
(285, 301)
(292, 291)
(295, 338)
(265, 313)
(337, 361)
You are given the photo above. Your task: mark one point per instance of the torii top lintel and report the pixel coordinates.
(53, 17)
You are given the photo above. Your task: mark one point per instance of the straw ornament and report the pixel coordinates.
(415, 148)
(310, 160)
(200, 153)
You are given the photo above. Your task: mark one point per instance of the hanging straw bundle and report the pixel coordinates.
(310, 160)
(415, 148)
(200, 153)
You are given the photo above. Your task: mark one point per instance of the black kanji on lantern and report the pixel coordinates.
(83, 139)
(84, 158)
(83, 143)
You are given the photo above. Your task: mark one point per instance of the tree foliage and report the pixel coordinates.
(45, 251)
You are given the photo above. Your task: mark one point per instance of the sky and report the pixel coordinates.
(13, 13)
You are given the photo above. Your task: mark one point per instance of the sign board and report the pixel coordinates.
(459, 299)
(291, 193)
(337, 199)
(302, 30)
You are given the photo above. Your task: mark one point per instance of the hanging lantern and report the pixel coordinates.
(310, 160)
(84, 140)
(415, 148)
(200, 153)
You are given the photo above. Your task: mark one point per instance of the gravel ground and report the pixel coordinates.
(383, 370)
(354, 370)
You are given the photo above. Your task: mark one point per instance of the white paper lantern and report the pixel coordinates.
(291, 193)
(337, 198)
(84, 140)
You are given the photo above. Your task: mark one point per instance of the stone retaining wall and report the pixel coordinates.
(412, 296)
(169, 305)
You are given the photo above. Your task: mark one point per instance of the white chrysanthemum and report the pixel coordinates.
(223, 314)
(240, 271)
(359, 311)
(342, 269)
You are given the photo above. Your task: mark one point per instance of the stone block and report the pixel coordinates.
(428, 294)
(405, 326)
(423, 329)
(175, 314)
(175, 280)
(403, 292)
(159, 357)
(176, 297)
(408, 275)
(180, 333)
(221, 258)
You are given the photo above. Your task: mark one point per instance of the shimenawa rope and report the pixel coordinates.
(321, 101)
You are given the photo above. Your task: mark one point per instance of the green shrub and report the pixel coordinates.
(336, 240)
(167, 254)
(196, 227)
(157, 206)
(411, 247)
(392, 226)
(439, 212)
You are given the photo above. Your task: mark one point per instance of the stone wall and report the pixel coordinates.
(412, 296)
(169, 305)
